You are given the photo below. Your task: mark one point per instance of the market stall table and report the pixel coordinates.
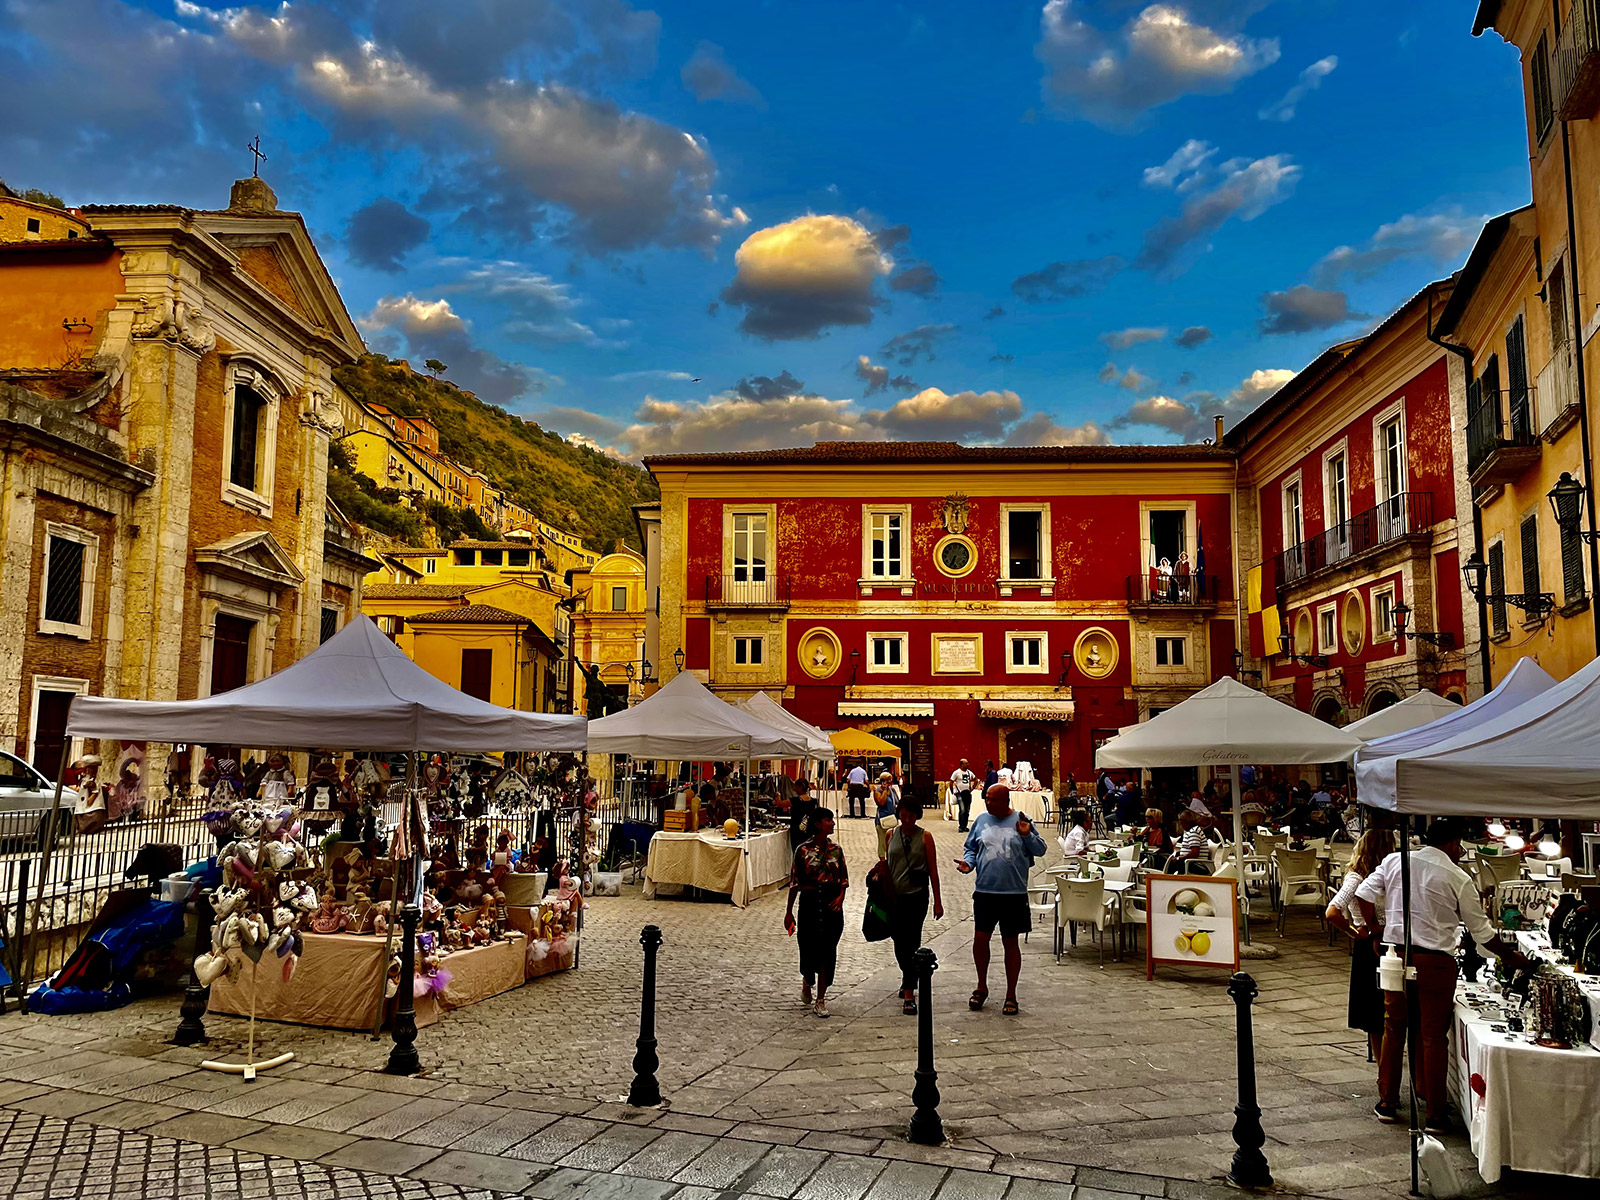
(1537, 1109)
(713, 862)
(335, 984)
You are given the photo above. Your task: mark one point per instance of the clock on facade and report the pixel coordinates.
(955, 555)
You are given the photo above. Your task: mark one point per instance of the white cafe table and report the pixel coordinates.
(714, 863)
(1527, 1107)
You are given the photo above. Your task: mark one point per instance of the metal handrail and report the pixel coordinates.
(743, 590)
(1154, 589)
(1402, 515)
(1491, 425)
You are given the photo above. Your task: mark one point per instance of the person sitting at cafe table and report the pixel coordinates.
(1442, 898)
(1076, 843)
(1153, 837)
(1192, 841)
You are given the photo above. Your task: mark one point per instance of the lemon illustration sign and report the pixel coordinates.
(1194, 921)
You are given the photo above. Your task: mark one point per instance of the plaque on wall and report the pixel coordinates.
(957, 653)
(922, 785)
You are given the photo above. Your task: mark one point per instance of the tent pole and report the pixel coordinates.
(747, 828)
(1405, 983)
(413, 778)
(1238, 848)
(49, 834)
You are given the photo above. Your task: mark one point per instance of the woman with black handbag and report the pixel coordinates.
(911, 865)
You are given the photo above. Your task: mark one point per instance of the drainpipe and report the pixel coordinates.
(1477, 517)
(1583, 403)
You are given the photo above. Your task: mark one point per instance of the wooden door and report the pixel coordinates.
(50, 732)
(230, 653)
(477, 672)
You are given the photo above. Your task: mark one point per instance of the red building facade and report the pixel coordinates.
(977, 602)
(1352, 486)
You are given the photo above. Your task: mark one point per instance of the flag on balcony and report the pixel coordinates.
(1199, 558)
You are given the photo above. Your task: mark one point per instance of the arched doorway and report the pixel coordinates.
(1381, 699)
(1330, 710)
(1454, 698)
(1030, 743)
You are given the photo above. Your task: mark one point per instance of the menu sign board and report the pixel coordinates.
(1193, 922)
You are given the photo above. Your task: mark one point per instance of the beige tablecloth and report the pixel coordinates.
(714, 863)
(336, 982)
(1033, 805)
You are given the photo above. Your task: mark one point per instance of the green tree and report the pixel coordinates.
(435, 367)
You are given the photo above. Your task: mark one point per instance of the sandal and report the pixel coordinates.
(1009, 1008)
(975, 1001)
(908, 1004)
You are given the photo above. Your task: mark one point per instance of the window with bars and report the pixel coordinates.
(1539, 69)
(1497, 587)
(330, 623)
(67, 596)
(1529, 533)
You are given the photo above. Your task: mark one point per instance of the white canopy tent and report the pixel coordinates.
(1375, 769)
(356, 691)
(1539, 758)
(769, 712)
(1420, 709)
(1224, 725)
(685, 720)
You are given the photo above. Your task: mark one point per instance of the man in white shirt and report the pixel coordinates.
(1443, 898)
(856, 790)
(961, 783)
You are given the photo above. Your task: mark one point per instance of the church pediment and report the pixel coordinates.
(255, 558)
(275, 251)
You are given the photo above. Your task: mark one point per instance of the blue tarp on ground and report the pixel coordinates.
(96, 976)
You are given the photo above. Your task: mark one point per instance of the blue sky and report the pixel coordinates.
(732, 225)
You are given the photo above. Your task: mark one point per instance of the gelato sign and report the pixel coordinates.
(1193, 922)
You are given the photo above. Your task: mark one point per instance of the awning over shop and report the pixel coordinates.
(858, 743)
(885, 708)
(1026, 710)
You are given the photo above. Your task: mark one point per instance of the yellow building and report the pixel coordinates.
(1526, 320)
(392, 463)
(608, 623)
(25, 221)
(487, 652)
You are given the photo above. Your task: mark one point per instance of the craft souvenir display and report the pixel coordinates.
(260, 906)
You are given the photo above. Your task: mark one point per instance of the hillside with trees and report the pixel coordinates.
(574, 488)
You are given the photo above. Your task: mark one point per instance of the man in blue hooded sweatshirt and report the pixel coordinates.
(1001, 849)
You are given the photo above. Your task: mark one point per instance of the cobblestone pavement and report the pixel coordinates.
(1106, 1086)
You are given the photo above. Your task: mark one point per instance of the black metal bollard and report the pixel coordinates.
(1249, 1168)
(403, 1058)
(646, 1091)
(191, 1028)
(926, 1127)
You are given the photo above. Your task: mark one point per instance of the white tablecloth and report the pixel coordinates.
(1540, 1108)
(1033, 805)
(714, 863)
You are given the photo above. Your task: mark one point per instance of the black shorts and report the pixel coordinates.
(1009, 910)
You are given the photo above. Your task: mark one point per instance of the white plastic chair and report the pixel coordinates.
(1128, 853)
(1300, 885)
(1042, 900)
(1495, 869)
(1135, 910)
(1081, 901)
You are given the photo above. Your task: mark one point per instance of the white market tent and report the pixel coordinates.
(1224, 725)
(685, 720)
(1375, 769)
(1420, 709)
(356, 691)
(769, 712)
(1539, 758)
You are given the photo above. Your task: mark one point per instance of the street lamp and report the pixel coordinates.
(1286, 649)
(1238, 665)
(677, 659)
(855, 661)
(1475, 571)
(1402, 617)
(645, 675)
(1566, 501)
(1066, 665)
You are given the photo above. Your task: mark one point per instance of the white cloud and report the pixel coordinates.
(1042, 430)
(878, 378)
(432, 329)
(1114, 78)
(1244, 190)
(1131, 379)
(1122, 339)
(1192, 418)
(1443, 238)
(1183, 170)
(1310, 80)
(653, 373)
(935, 415)
(799, 278)
(538, 307)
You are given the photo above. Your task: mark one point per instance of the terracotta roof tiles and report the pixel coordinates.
(414, 591)
(471, 614)
(834, 453)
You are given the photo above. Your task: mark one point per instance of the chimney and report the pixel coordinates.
(252, 195)
(1219, 429)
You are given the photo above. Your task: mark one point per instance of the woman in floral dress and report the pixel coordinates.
(818, 878)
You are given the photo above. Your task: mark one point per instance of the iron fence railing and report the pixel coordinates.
(750, 589)
(1500, 419)
(1155, 589)
(1401, 515)
(1577, 74)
